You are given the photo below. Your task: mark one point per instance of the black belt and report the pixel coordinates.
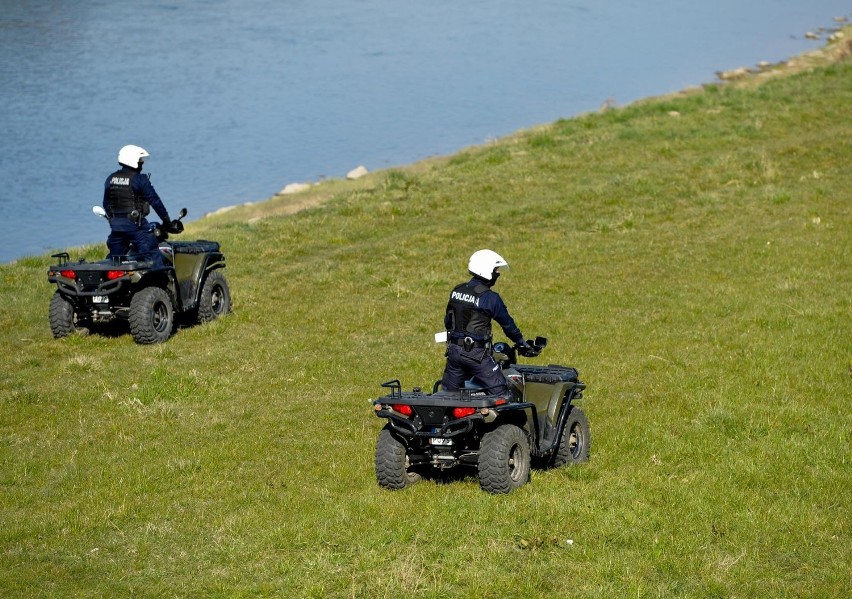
(469, 343)
(134, 216)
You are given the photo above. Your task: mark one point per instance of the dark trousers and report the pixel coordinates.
(144, 243)
(478, 363)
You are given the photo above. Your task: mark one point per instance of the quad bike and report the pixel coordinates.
(189, 283)
(500, 435)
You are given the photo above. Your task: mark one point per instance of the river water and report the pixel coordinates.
(234, 99)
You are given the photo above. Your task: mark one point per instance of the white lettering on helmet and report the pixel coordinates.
(120, 181)
(465, 297)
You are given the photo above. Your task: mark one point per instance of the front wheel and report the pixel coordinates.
(392, 465)
(152, 315)
(504, 459)
(576, 439)
(215, 297)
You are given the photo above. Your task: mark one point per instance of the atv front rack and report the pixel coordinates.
(199, 246)
(548, 374)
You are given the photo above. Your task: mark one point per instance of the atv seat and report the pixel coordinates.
(468, 384)
(130, 258)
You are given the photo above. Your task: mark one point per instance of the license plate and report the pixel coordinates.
(440, 441)
(100, 299)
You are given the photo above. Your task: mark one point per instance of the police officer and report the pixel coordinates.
(471, 308)
(128, 198)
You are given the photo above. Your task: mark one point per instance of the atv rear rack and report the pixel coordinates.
(63, 258)
(478, 397)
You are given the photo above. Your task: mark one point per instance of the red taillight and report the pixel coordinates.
(68, 274)
(115, 274)
(403, 409)
(462, 412)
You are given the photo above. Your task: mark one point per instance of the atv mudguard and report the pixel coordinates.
(193, 262)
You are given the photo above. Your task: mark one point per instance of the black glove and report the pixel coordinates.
(525, 348)
(175, 226)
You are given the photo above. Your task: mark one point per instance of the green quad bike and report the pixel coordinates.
(189, 284)
(499, 435)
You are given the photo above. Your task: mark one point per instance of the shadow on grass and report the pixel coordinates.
(449, 476)
(119, 328)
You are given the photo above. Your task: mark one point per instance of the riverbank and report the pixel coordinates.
(297, 196)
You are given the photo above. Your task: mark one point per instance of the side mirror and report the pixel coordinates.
(99, 211)
(182, 213)
(540, 342)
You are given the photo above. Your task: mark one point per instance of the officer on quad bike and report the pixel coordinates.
(470, 310)
(128, 198)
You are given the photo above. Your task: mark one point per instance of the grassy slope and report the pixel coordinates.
(690, 255)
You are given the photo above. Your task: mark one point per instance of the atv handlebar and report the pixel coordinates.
(531, 349)
(175, 227)
(528, 349)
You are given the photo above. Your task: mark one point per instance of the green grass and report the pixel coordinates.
(689, 255)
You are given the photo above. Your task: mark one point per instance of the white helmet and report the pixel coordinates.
(483, 263)
(131, 156)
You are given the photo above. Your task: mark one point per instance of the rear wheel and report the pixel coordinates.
(576, 439)
(63, 320)
(151, 315)
(504, 459)
(392, 465)
(215, 297)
